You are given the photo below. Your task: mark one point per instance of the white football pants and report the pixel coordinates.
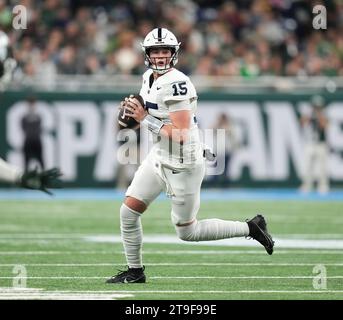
(184, 187)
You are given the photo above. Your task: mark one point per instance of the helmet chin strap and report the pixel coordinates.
(161, 71)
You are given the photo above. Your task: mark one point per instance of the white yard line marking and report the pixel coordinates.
(77, 236)
(19, 290)
(178, 277)
(239, 291)
(63, 296)
(70, 296)
(190, 291)
(232, 251)
(173, 264)
(28, 253)
(37, 293)
(310, 236)
(232, 242)
(171, 252)
(10, 293)
(43, 235)
(172, 239)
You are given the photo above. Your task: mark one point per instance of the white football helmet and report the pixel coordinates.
(160, 37)
(4, 42)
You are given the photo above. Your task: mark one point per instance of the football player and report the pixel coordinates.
(316, 147)
(175, 163)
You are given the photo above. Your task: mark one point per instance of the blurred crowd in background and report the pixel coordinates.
(230, 38)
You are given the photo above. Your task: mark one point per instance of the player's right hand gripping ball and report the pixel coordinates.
(125, 121)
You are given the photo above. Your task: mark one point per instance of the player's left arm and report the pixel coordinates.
(177, 98)
(177, 130)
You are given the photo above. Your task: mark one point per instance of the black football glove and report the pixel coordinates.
(41, 180)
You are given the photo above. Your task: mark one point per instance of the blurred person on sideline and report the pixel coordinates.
(32, 127)
(316, 148)
(226, 146)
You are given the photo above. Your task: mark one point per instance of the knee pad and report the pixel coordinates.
(128, 217)
(187, 233)
(126, 211)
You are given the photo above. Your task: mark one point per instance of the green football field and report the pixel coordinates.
(67, 249)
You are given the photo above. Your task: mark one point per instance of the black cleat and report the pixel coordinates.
(131, 275)
(258, 231)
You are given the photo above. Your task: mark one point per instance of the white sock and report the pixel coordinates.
(132, 234)
(212, 229)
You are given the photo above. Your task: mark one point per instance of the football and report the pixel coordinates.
(125, 121)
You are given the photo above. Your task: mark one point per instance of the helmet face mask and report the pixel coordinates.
(160, 61)
(163, 39)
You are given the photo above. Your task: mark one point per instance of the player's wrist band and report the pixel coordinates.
(153, 124)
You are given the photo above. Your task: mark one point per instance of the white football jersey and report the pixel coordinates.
(173, 91)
